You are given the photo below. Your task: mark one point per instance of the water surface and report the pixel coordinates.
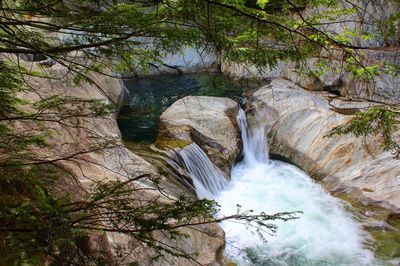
(150, 96)
(324, 234)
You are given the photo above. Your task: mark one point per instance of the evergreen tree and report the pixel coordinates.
(107, 37)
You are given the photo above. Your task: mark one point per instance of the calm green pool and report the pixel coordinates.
(150, 96)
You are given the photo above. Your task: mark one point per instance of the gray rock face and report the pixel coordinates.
(365, 17)
(113, 162)
(297, 122)
(190, 60)
(208, 121)
(185, 60)
(382, 88)
(327, 70)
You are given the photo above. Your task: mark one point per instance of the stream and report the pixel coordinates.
(324, 233)
(327, 231)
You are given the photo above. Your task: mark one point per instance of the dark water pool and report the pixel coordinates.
(150, 96)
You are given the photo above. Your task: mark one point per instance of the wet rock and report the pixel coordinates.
(298, 122)
(208, 121)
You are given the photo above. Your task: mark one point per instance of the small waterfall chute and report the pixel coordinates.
(255, 147)
(208, 179)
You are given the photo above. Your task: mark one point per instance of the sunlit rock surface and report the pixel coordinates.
(297, 122)
(78, 140)
(208, 121)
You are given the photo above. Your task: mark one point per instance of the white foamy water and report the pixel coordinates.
(207, 178)
(324, 234)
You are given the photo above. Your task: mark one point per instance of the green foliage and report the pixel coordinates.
(10, 84)
(364, 72)
(262, 3)
(40, 224)
(38, 221)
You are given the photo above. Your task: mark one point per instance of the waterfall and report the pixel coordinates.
(207, 178)
(325, 234)
(255, 148)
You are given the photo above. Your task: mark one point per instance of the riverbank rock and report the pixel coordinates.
(208, 121)
(190, 60)
(329, 70)
(310, 75)
(90, 150)
(297, 124)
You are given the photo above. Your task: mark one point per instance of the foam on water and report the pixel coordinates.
(324, 234)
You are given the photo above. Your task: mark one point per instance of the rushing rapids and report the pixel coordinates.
(324, 234)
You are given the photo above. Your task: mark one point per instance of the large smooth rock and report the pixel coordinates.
(95, 153)
(297, 122)
(208, 121)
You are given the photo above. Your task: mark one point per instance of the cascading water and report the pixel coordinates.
(255, 148)
(324, 234)
(207, 178)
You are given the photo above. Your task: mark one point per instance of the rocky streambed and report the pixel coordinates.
(296, 124)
